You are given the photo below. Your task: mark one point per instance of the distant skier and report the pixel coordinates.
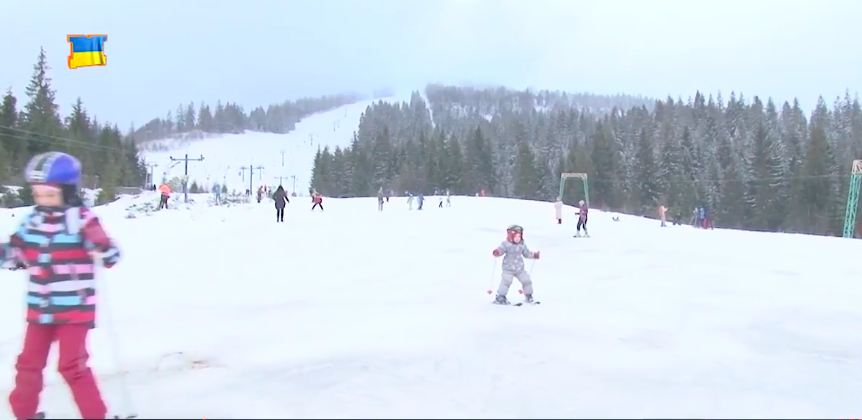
(420, 200)
(281, 200)
(217, 194)
(558, 210)
(448, 199)
(388, 193)
(701, 217)
(583, 209)
(707, 222)
(695, 217)
(60, 242)
(380, 199)
(677, 217)
(317, 200)
(409, 201)
(514, 250)
(662, 215)
(165, 191)
(440, 205)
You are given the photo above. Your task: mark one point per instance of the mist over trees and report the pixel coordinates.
(193, 121)
(753, 163)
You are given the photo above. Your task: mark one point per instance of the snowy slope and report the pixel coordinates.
(353, 313)
(224, 156)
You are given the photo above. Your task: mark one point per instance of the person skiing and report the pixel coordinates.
(420, 200)
(514, 250)
(317, 200)
(707, 222)
(380, 199)
(165, 191)
(58, 243)
(448, 199)
(701, 217)
(558, 210)
(440, 204)
(409, 201)
(281, 200)
(583, 209)
(217, 194)
(662, 214)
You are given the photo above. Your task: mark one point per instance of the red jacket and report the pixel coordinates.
(317, 199)
(582, 212)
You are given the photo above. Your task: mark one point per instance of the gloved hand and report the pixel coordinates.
(496, 253)
(18, 266)
(535, 255)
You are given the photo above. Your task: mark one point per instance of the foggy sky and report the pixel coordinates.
(162, 53)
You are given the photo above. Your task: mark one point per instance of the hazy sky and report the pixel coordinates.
(256, 52)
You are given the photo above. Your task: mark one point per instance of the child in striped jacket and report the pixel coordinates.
(57, 244)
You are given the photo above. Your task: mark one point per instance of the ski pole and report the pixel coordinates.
(532, 265)
(126, 403)
(493, 272)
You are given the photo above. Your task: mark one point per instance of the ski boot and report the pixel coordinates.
(528, 298)
(501, 300)
(577, 235)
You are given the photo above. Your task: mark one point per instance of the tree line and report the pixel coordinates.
(109, 159)
(752, 163)
(230, 118)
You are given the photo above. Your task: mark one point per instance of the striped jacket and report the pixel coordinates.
(56, 245)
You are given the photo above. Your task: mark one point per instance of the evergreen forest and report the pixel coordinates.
(111, 159)
(753, 163)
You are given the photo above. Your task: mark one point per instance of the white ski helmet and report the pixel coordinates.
(581, 203)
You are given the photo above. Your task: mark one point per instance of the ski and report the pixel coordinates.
(41, 416)
(516, 304)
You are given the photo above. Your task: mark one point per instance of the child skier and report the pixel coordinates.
(317, 201)
(558, 210)
(514, 250)
(583, 210)
(57, 244)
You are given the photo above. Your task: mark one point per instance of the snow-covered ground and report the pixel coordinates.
(351, 313)
(224, 156)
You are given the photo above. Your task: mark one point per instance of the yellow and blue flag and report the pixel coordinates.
(87, 50)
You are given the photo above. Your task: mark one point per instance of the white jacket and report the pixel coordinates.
(558, 209)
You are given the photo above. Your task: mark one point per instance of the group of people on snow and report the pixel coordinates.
(582, 213)
(279, 197)
(420, 200)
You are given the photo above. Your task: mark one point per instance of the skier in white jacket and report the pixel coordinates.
(558, 210)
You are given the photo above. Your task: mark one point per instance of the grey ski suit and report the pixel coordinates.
(513, 267)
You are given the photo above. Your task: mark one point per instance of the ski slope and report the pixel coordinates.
(225, 155)
(222, 313)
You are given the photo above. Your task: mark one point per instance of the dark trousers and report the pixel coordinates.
(72, 364)
(559, 221)
(582, 223)
(317, 205)
(279, 214)
(163, 203)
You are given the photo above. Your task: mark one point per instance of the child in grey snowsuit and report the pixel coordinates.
(514, 250)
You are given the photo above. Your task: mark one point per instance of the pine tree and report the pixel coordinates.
(526, 175)
(40, 115)
(13, 143)
(647, 173)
